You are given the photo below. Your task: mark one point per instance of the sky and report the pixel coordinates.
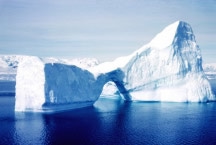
(104, 29)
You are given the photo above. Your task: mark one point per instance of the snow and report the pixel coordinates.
(30, 81)
(9, 64)
(169, 68)
(165, 38)
(84, 63)
(210, 68)
(8, 67)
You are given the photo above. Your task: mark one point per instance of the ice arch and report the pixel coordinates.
(117, 76)
(75, 84)
(168, 68)
(54, 86)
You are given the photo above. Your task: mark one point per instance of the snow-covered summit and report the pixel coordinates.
(209, 68)
(173, 35)
(166, 37)
(8, 66)
(10, 60)
(9, 63)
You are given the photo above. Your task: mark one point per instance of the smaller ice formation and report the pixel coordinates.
(169, 68)
(44, 86)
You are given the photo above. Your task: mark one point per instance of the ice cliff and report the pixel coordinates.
(169, 68)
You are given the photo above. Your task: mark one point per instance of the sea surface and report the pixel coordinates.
(111, 122)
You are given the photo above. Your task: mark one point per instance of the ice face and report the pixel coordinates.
(30, 82)
(171, 72)
(53, 86)
(49, 87)
(169, 68)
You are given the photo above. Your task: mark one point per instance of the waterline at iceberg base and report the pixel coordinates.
(168, 68)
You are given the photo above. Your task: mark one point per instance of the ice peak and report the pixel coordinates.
(184, 33)
(168, 35)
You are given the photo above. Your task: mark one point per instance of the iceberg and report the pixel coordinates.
(45, 86)
(42, 86)
(168, 68)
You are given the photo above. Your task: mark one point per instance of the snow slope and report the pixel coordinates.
(169, 68)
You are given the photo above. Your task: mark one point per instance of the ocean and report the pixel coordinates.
(111, 122)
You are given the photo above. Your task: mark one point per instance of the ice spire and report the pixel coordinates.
(172, 34)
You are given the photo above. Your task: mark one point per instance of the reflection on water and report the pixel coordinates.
(30, 128)
(111, 121)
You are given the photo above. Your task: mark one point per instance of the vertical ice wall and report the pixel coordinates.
(30, 81)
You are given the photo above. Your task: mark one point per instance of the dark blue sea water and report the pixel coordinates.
(111, 122)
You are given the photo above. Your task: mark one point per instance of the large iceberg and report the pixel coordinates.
(169, 68)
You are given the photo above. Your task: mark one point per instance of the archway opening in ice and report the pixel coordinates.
(110, 90)
(116, 78)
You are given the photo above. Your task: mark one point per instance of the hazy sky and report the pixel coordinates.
(104, 29)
